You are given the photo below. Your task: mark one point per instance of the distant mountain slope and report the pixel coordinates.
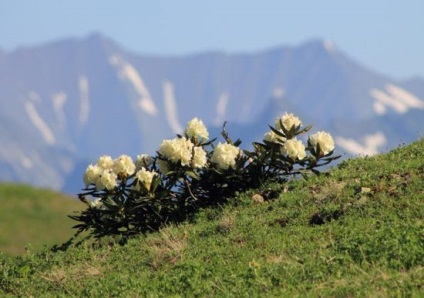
(35, 217)
(65, 103)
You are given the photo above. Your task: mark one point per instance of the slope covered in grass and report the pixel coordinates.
(34, 217)
(354, 231)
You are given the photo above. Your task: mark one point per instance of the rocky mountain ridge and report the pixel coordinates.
(65, 103)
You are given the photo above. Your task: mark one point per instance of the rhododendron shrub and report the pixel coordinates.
(126, 197)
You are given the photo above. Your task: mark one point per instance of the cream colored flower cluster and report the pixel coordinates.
(181, 150)
(294, 148)
(123, 165)
(195, 128)
(107, 171)
(225, 156)
(324, 140)
(104, 174)
(199, 157)
(177, 150)
(288, 120)
(188, 152)
(144, 177)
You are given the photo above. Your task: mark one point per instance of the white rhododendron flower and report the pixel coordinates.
(225, 155)
(288, 121)
(104, 174)
(199, 157)
(143, 160)
(272, 137)
(124, 165)
(107, 179)
(196, 128)
(145, 177)
(178, 149)
(294, 149)
(91, 174)
(325, 141)
(105, 162)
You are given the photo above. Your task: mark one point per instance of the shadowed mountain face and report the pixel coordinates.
(64, 104)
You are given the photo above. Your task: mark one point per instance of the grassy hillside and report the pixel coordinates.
(355, 231)
(34, 217)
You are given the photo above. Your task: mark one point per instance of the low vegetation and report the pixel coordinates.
(356, 230)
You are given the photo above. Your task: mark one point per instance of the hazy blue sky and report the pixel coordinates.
(386, 35)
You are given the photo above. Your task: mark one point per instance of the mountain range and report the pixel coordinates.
(65, 103)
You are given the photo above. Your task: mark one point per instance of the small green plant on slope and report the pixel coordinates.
(126, 198)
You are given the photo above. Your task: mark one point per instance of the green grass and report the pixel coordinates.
(355, 231)
(32, 218)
